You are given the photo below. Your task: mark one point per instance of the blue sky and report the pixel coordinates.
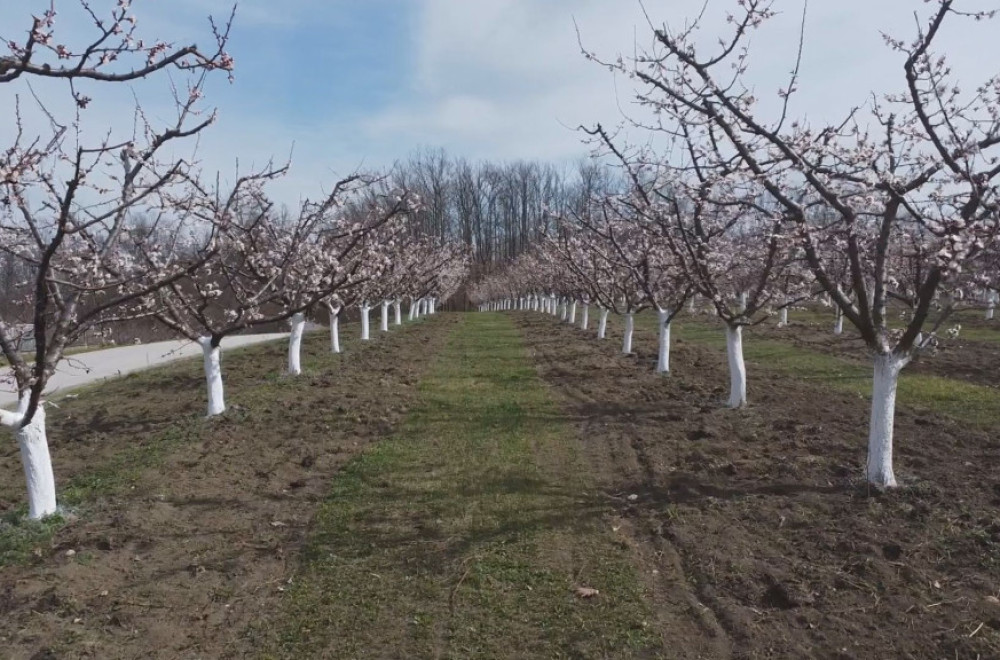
(365, 82)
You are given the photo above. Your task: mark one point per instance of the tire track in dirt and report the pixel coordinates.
(610, 439)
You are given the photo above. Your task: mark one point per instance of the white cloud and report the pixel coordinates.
(506, 79)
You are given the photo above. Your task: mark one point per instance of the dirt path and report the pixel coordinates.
(760, 517)
(184, 528)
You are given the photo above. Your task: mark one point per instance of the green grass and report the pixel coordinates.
(20, 537)
(965, 402)
(466, 534)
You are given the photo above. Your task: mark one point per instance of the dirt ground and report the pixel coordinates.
(181, 553)
(783, 550)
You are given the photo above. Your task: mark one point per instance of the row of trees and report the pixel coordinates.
(897, 205)
(106, 230)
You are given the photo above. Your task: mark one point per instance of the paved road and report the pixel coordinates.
(85, 368)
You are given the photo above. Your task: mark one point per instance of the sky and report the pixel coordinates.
(343, 84)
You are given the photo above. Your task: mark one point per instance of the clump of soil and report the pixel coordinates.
(764, 510)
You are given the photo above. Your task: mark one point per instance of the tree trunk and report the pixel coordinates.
(737, 368)
(213, 376)
(602, 328)
(35, 458)
(365, 334)
(413, 309)
(586, 317)
(991, 308)
(397, 307)
(334, 329)
(295, 344)
(885, 379)
(627, 336)
(563, 310)
(663, 362)
(838, 325)
(572, 313)
(384, 325)
(784, 318)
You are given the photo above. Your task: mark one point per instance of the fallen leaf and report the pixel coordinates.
(586, 592)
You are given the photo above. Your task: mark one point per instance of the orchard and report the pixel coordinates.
(726, 387)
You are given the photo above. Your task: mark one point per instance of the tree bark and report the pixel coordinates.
(35, 458)
(885, 380)
(213, 376)
(663, 360)
(384, 326)
(737, 367)
(627, 336)
(365, 331)
(334, 329)
(295, 344)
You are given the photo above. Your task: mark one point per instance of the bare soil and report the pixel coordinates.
(759, 518)
(196, 523)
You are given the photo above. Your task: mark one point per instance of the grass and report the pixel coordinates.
(466, 534)
(20, 537)
(965, 402)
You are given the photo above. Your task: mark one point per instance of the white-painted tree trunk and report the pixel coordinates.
(783, 321)
(838, 324)
(432, 306)
(413, 309)
(365, 330)
(555, 306)
(35, 458)
(563, 310)
(397, 308)
(627, 336)
(663, 360)
(602, 327)
(744, 297)
(384, 324)
(692, 308)
(295, 344)
(737, 368)
(991, 307)
(886, 377)
(572, 313)
(586, 317)
(213, 376)
(334, 329)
